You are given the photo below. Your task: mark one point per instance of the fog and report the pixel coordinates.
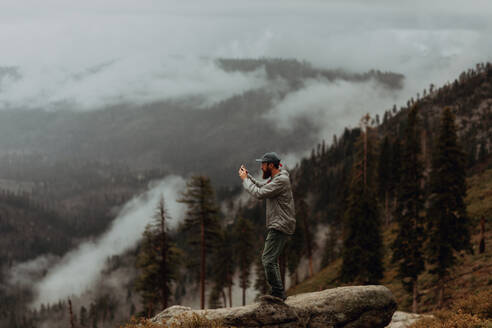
(88, 55)
(84, 263)
(332, 106)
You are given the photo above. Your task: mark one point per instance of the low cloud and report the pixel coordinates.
(332, 106)
(25, 273)
(130, 80)
(80, 268)
(154, 50)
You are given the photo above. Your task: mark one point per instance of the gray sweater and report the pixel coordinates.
(280, 212)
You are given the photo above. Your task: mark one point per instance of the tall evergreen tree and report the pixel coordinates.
(261, 284)
(362, 253)
(295, 250)
(83, 316)
(384, 172)
(201, 220)
(330, 247)
(157, 261)
(395, 168)
(408, 244)
(214, 298)
(482, 152)
(448, 225)
(224, 265)
(481, 246)
(245, 252)
(308, 228)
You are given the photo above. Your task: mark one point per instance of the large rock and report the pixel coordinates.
(351, 307)
(405, 319)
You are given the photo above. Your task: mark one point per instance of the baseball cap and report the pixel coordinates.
(271, 157)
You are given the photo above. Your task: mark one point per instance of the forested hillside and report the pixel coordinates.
(324, 179)
(165, 134)
(219, 251)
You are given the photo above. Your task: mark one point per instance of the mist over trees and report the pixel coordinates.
(158, 261)
(141, 137)
(363, 181)
(202, 225)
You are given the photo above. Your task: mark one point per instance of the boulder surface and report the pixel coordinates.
(351, 307)
(405, 319)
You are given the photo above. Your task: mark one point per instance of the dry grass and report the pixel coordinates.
(479, 195)
(141, 323)
(326, 278)
(472, 312)
(453, 320)
(185, 320)
(194, 320)
(479, 304)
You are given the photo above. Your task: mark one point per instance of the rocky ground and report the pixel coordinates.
(353, 306)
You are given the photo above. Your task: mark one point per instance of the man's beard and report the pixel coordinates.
(267, 173)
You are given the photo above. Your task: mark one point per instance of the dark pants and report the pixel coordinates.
(274, 244)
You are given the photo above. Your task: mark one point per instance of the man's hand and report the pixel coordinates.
(243, 173)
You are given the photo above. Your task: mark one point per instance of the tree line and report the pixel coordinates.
(429, 213)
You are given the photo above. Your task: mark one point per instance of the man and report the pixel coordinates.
(280, 214)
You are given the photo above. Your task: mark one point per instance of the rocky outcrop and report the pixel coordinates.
(404, 319)
(351, 307)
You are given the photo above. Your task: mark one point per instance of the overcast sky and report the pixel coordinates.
(91, 53)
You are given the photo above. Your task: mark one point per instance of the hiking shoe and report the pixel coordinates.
(271, 299)
(281, 296)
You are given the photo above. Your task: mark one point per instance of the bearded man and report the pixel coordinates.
(280, 214)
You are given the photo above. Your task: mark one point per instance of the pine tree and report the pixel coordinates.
(384, 172)
(329, 252)
(448, 225)
(303, 216)
(83, 316)
(157, 260)
(93, 315)
(214, 298)
(482, 152)
(261, 284)
(481, 246)
(224, 264)
(408, 244)
(395, 168)
(362, 253)
(201, 220)
(295, 250)
(245, 252)
(70, 311)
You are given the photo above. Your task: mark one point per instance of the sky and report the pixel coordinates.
(85, 55)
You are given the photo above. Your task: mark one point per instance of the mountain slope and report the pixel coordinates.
(470, 275)
(182, 135)
(322, 177)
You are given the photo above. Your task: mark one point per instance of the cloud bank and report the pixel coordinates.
(80, 268)
(332, 106)
(92, 54)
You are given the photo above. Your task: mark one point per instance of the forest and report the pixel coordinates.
(371, 208)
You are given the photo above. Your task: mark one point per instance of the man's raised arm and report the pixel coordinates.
(267, 190)
(256, 182)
